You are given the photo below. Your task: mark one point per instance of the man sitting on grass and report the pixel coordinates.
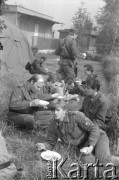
(79, 87)
(36, 67)
(95, 104)
(74, 128)
(88, 70)
(25, 108)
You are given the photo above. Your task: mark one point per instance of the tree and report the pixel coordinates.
(108, 20)
(2, 5)
(82, 22)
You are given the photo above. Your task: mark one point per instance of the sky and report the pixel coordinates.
(61, 10)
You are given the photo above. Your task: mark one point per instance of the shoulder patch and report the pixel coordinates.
(87, 121)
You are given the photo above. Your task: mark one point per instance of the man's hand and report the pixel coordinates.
(87, 150)
(34, 103)
(56, 95)
(38, 102)
(40, 146)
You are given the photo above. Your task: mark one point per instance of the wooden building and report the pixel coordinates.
(36, 27)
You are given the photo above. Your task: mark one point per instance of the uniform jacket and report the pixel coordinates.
(96, 109)
(21, 97)
(90, 79)
(37, 68)
(67, 50)
(75, 129)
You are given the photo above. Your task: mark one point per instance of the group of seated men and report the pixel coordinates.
(84, 128)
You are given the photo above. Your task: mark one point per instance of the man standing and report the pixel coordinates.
(67, 51)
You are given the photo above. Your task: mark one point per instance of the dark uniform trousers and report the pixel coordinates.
(21, 114)
(30, 121)
(67, 67)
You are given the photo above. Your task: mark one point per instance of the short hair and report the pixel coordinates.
(95, 85)
(35, 78)
(60, 104)
(89, 67)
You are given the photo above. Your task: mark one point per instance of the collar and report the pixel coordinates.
(65, 120)
(97, 96)
(30, 87)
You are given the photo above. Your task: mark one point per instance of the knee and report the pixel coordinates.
(29, 122)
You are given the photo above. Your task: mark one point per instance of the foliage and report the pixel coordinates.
(2, 5)
(108, 20)
(82, 22)
(110, 71)
(2, 23)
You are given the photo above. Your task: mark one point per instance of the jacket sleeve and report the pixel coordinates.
(44, 97)
(78, 89)
(74, 49)
(51, 136)
(17, 102)
(101, 114)
(88, 126)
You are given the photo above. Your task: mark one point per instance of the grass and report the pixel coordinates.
(21, 144)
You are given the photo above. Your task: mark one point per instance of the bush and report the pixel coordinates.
(94, 57)
(110, 67)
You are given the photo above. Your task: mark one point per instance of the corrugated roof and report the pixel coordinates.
(22, 10)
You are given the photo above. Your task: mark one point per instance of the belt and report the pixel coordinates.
(5, 165)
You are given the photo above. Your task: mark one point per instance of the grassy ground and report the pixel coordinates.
(22, 144)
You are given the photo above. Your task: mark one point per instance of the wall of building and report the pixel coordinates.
(44, 43)
(33, 26)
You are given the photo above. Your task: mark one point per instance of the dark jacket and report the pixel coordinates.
(78, 89)
(96, 109)
(90, 79)
(36, 67)
(21, 97)
(67, 50)
(73, 130)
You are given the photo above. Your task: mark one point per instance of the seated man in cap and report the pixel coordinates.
(26, 108)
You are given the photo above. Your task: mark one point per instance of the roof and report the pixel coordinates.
(29, 12)
(88, 32)
(64, 30)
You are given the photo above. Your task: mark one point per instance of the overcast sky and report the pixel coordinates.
(60, 10)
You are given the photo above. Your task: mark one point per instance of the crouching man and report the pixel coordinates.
(7, 168)
(76, 129)
(25, 108)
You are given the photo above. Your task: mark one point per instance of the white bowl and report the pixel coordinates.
(49, 155)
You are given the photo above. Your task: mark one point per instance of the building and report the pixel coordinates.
(36, 27)
(88, 39)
